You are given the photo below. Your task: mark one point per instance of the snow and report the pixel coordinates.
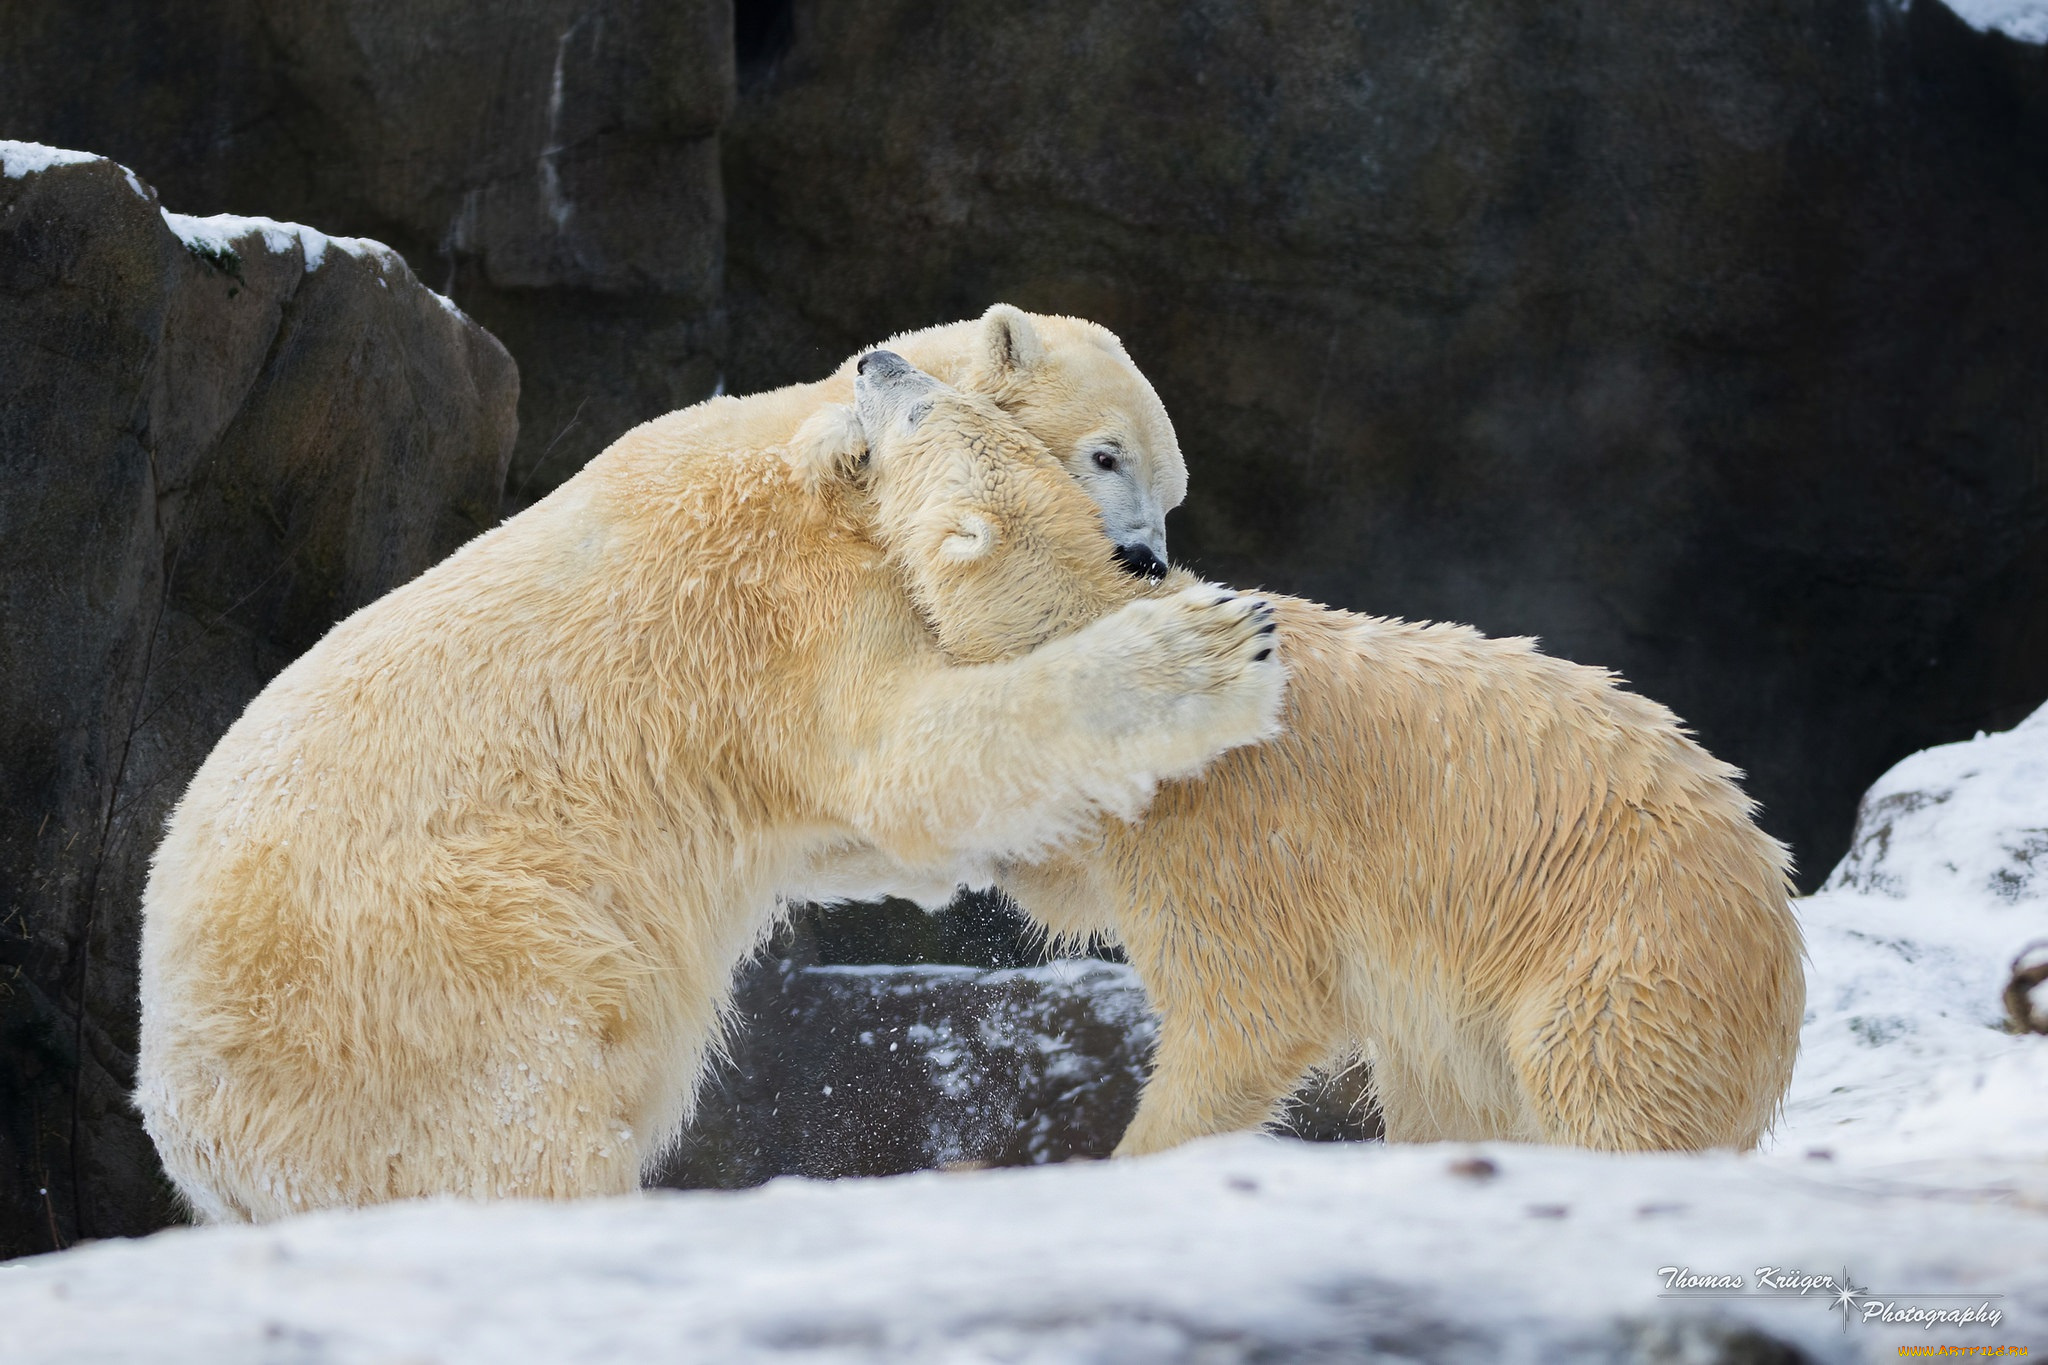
(1911, 1168)
(225, 233)
(1911, 941)
(2026, 20)
(18, 159)
(222, 234)
(1228, 1248)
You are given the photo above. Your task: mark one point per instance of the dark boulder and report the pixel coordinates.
(1704, 340)
(216, 445)
(841, 1071)
(862, 1070)
(550, 164)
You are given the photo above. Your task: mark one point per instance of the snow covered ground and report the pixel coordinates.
(1238, 1249)
(1911, 1173)
(1911, 942)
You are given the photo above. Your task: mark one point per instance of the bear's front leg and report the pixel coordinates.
(967, 765)
(1246, 1008)
(1209, 1079)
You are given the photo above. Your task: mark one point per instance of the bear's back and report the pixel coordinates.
(1477, 787)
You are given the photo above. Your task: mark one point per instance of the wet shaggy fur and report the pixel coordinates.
(453, 908)
(1537, 907)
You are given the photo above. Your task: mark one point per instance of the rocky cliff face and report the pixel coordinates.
(1703, 340)
(1700, 340)
(220, 437)
(552, 165)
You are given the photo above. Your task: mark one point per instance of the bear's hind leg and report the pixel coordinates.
(1445, 1093)
(1628, 1061)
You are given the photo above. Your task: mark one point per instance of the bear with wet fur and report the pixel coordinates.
(1524, 894)
(453, 908)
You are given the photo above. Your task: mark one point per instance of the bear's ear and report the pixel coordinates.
(1010, 347)
(829, 447)
(971, 537)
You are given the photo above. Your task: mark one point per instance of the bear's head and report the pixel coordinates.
(1070, 382)
(1000, 548)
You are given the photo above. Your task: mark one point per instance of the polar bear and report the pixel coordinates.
(453, 908)
(1540, 909)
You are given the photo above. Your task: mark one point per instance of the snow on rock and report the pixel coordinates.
(21, 159)
(222, 236)
(1911, 942)
(2026, 20)
(225, 234)
(881, 1070)
(18, 159)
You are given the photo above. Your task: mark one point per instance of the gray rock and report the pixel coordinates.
(846, 1070)
(553, 165)
(1703, 341)
(2025, 996)
(212, 453)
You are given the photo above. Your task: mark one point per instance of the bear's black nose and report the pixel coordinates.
(1139, 561)
(883, 364)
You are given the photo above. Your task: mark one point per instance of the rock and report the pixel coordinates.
(2025, 996)
(846, 1070)
(553, 165)
(220, 437)
(1702, 341)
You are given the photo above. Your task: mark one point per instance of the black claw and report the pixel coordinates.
(1269, 627)
(1262, 656)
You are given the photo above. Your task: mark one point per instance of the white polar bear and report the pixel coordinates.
(453, 908)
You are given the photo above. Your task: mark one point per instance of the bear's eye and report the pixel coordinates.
(1105, 459)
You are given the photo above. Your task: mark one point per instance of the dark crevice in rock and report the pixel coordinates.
(762, 31)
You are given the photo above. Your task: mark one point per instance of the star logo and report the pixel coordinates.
(1847, 1292)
